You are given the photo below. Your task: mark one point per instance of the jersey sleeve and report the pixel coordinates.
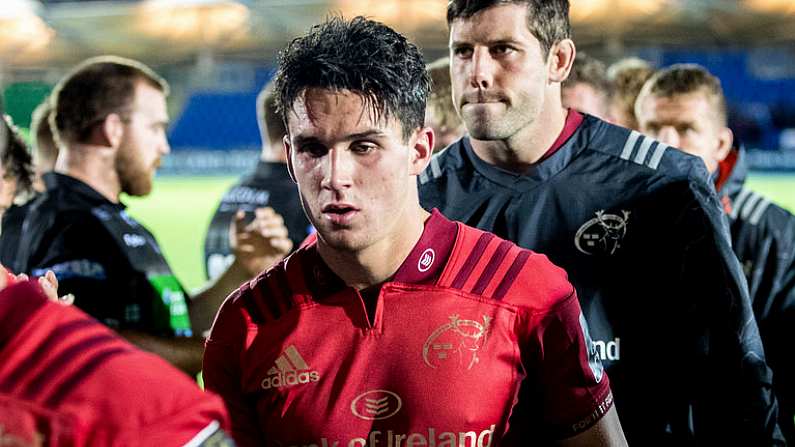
(90, 265)
(81, 380)
(222, 370)
(569, 381)
(717, 310)
(774, 305)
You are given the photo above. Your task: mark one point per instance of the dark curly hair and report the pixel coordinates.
(15, 158)
(363, 56)
(547, 20)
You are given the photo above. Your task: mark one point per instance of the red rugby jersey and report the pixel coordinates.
(474, 342)
(67, 380)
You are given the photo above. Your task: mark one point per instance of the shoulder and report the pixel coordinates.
(755, 213)
(266, 298)
(494, 268)
(448, 159)
(630, 149)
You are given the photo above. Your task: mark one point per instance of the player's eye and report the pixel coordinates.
(501, 49)
(463, 51)
(313, 149)
(363, 147)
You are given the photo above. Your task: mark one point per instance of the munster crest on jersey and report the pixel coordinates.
(456, 343)
(602, 235)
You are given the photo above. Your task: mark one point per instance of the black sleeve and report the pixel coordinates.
(90, 265)
(776, 313)
(733, 402)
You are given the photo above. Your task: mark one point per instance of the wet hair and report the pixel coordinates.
(364, 57)
(681, 79)
(547, 20)
(94, 89)
(15, 158)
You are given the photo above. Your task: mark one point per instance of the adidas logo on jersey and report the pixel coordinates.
(290, 370)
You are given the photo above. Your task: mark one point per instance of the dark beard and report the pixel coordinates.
(132, 177)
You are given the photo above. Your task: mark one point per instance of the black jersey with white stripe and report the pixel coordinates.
(639, 230)
(269, 185)
(763, 237)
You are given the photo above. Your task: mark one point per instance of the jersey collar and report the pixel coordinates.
(423, 265)
(56, 181)
(557, 157)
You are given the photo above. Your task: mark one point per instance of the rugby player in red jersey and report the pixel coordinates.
(65, 379)
(395, 326)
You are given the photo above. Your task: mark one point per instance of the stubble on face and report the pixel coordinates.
(135, 178)
(506, 94)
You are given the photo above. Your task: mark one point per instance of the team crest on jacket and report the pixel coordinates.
(603, 234)
(456, 342)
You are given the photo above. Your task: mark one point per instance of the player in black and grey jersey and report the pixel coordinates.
(636, 225)
(684, 105)
(268, 186)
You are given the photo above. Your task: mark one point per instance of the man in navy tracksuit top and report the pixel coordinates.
(636, 225)
(684, 106)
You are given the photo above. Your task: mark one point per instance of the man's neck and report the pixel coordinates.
(380, 261)
(94, 166)
(528, 146)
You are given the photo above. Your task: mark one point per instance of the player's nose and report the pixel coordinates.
(668, 135)
(338, 169)
(481, 76)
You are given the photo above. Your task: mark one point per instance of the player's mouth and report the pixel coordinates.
(482, 98)
(339, 213)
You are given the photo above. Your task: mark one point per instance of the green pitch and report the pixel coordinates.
(179, 210)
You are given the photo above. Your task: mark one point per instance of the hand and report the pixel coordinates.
(261, 243)
(49, 284)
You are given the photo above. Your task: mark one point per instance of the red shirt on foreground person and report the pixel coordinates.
(395, 326)
(468, 323)
(66, 379)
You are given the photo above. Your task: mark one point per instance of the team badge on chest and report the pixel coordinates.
(602, 235)
(456, 343)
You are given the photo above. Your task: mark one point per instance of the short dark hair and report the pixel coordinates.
(363, 56)
(587, 69)
(681, 79)
(15, 158)
(94, 89)
(270, 122)
(547, 20)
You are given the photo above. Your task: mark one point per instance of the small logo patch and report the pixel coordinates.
(602, 235)
(376, 405)
(426, 260)
(290, 370)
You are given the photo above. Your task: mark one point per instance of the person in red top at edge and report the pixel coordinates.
(395, 326)
(67, 380)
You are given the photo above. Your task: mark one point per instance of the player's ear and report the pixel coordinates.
(725, 142)
(112, 130)
(421, 146)
(287, 150)
(560, 60)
